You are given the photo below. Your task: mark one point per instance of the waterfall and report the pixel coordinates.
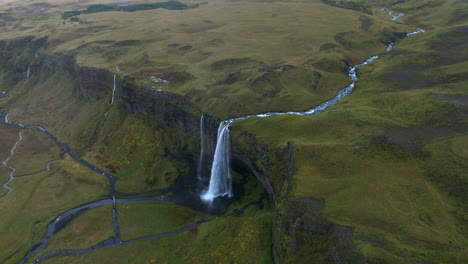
(389, 47)
(28, 72)
(220, 181)
(113, 93)
(207, 147)
(202, 147)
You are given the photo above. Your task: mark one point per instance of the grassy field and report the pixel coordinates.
(37, 199)
(389, 159)
(218, 43)
(85, 231)
(153, 218)
(38, 148)
(231, 239)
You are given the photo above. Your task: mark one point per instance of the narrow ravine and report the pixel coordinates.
(12, 169)
(220, 183)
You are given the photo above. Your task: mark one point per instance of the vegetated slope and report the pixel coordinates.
(381, 177)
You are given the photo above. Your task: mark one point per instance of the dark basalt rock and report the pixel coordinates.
(173, 110)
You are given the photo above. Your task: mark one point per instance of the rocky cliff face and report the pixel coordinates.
(173, 110)
(16, 56)
(26, 58)
(299, 227)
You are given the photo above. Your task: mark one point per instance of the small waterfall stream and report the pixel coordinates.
(221, 178)
(113, 93)
(207, 147)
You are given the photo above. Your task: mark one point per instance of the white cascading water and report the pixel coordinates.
(28, 72)
(221, 178)
(202, 147)
(113, 93)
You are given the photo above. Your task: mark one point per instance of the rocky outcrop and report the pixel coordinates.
(25, 58)
(272, 166)
(173, 110)
(16, 56)
(300, 230)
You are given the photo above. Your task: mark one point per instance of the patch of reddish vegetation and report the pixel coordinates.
(193, 232)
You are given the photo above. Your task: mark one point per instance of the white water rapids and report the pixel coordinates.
(113, 93)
